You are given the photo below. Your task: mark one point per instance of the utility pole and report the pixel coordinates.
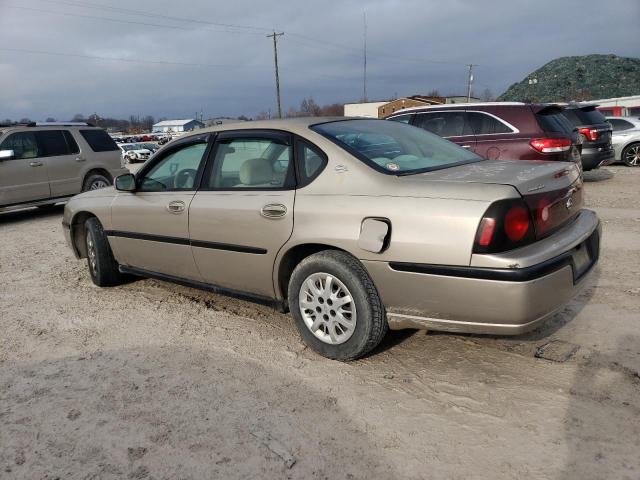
(364, 93)
(469, 81)
(275, 36)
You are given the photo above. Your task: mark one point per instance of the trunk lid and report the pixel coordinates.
(553, 191)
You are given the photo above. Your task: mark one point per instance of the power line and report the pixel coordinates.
(154, 15)
(117, 20)
(120, 59)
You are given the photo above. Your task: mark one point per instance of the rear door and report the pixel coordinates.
(243, 213)
(494, 137)
(61, 155)
(23, 178)
(451, 125)
(150, 227)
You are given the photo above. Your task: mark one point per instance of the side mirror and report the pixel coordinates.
(7, 155)
(126, 183)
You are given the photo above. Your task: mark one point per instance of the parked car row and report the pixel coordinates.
(519, 131)
(145, 137)
(626, 139)
(137, 152)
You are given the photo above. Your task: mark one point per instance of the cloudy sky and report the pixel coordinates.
(170, 59)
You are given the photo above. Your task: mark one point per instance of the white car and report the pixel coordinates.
(626, 139)
(134, 152)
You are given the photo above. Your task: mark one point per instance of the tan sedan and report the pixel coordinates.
(355, 225)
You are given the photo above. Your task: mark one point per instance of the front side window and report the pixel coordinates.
(176, 171)
(255, 163)
(444, 124)
(483, 124)
(23, 144)
(401, 118)
(395, 148)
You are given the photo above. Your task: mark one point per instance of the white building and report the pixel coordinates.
(185, 125)
(620, 106)
(364, 109)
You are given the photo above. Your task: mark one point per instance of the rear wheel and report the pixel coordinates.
(335, 306)
(103, 268)
(95, 181)
(631, 155)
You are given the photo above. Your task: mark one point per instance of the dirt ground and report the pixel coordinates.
(153, 380)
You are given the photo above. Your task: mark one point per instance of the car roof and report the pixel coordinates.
(296, 125)
(455, 106)
(36, 127)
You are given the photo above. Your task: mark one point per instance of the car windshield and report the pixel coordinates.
(395, 148)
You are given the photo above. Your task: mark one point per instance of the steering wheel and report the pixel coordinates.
(185, 178)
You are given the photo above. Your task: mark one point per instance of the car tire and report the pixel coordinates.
(344, 332)
(631, 155)
(103, 268)
(95, 181)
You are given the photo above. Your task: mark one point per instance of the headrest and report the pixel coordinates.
(256, 171)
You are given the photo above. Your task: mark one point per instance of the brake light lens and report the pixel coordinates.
(591, 134)
(507, 224)
(551, 145)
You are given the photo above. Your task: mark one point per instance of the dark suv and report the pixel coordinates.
(595, 133)
(500, 130)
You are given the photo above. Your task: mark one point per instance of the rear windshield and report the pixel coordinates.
(99, 140)
(584, 116)
(552, 120)
(395, 148)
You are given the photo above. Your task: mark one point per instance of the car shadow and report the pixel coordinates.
(15, 216)
(598, 175)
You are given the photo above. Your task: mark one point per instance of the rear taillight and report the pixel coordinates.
(506, 225)
(590, 134)
(551, 145)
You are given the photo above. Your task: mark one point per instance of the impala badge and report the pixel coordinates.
(569, 203)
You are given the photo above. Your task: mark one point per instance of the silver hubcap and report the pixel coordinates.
(91, 255)
(327, 308)
(632, 156)
(96, 184)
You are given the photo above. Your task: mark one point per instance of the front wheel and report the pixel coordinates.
(103, 268)
(631, 155)
(335, 306)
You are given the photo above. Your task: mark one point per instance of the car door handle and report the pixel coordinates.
(273, 210)
(465, 146)
(80, 159)
(177, 206)
(36, 164)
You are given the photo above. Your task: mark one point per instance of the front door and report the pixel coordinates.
(23, 177)
(451, 125)
(150, 227)
(243, 214)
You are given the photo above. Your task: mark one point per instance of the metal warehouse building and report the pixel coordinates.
(185, 125)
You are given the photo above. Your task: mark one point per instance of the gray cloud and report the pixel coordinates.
(230, 70)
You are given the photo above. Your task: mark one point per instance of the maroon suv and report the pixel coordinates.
(507, 131)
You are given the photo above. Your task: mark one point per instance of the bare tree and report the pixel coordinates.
(263, 116)
(50, 119)
(434, 93)
(309, 108)
(333, 110)
(78, 117)
(487, 95)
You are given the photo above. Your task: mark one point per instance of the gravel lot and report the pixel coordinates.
(154, 380)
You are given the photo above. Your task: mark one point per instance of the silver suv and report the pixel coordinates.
(41, 165)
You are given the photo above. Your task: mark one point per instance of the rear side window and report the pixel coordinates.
(584, 116)
(311, 161)
(554, 121)
(52, 143)
(99, 140)
(619, 124)
(71, 142)
(483, 124)
(444, 124)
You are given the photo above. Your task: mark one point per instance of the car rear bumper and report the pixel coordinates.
(504, 301)
(597, 157)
